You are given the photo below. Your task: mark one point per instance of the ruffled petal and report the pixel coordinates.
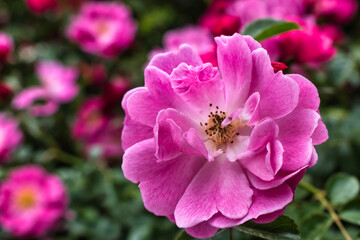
(320, 134)
(220, 186)
(168, 61)
(309, 96)
(264, 202)
(202, 230)
(235, 64)
(162, 193)
(295, 135)
(144, 107)
(134, 132)
(280, 178)
(263, 133)
(198, 87)
(279, 93)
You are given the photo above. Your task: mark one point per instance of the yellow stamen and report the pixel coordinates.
(25, 199)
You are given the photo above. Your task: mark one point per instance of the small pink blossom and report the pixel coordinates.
(31, 202)
(41, 6)
(277, 9)
(97, 130)
(339, 11)
(215, 147)
(58, 85)
(334, 32)
(90, 119)
(310, 44)
(6, 47)
(197, 37)
(108, 142)
(10, 137)
(103, 28)
(217, 19)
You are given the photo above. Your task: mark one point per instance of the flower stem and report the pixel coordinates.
(321, 196)
(230, 234)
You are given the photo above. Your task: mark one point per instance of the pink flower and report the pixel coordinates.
(218, 21)
(307, 45)
(340, 11)
(90, 119)
(334, 32)
(215, 147)
(6, 46)
(103, 28)
(197, 37)
(277, 9)
(10, 137)
(58, 85)
(107, 142)
(31, 202)
(41, 6)
(97, 130)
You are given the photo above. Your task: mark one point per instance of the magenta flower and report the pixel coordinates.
(339, 11)
(108, 142)
(58, 86)
(197, 37)
(98, 131)
(6, 46)
(217, 19)
(41, 6)
(103, 28)
(90, 119)
(10, 137)
(215, 147)
(277, 9)
(310, 44)
(31, 202)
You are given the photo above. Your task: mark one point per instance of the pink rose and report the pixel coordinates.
(103, 28)
(339, 11)
(6, 47)
(218, 21)
(99, 131)
(90, 119)
(10, 137)
(215, 147)
(58, 85)
(310, 44)
(41, 6)
(31, 202)
(277, 9)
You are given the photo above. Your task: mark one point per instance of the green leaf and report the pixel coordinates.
(266, 28)
(342, 188)
(351, 212)
(315, 226)
(283, 228)
(183, 236)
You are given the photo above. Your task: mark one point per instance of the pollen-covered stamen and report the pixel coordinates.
(215, 131)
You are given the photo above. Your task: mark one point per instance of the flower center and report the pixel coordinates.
(25, 199)
(216, 132)
(101, 28)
